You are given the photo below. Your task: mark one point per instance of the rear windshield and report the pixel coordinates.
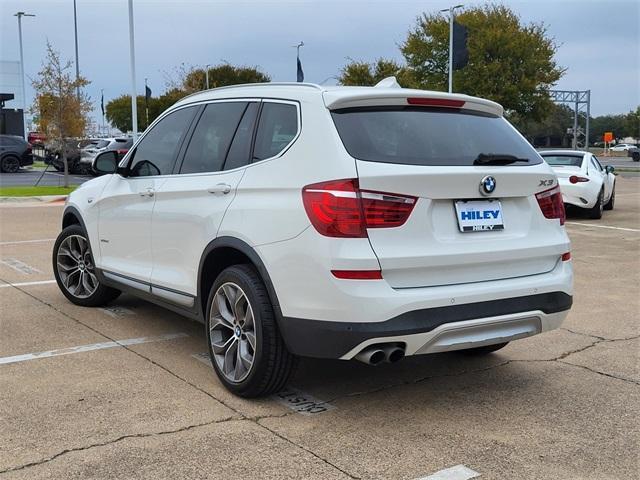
(100, 143)
(563, 160)
(428, 136)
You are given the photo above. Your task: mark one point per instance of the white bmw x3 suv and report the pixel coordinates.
(335, 222)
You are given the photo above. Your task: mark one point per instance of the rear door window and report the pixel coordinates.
(428, 136)
(277, 127)
(212, 137)
(240, 149)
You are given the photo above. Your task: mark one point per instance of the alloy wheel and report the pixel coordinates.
(75, 267)
(10, 165)
(232, 332)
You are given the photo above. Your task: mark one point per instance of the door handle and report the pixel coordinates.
(223, 188)
(149, 192)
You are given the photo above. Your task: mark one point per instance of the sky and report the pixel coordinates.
(598, 40)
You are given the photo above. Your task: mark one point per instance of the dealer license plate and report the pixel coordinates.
(479, 215)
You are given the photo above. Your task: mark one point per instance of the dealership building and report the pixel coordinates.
(11, 113)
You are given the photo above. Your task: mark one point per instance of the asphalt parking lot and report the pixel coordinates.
(138, 400)
(28, 177)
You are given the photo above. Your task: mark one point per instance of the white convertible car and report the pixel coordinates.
(583, 182)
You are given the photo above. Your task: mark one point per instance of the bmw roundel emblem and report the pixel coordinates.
(487, 185)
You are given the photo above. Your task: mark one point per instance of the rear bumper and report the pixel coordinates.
(583, 195)
(26, 159)
(431, 330)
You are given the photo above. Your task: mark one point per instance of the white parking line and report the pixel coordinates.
(19, 266)
(87, 348)
(18, 242)
(459, 472)
(603, 226)
(26, 284)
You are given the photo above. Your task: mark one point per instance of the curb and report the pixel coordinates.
(38, 199)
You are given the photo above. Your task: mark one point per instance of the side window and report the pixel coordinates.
(241, 146)
(594, 164)
(595, 159)
(278, 125)
(156, 152)
(212, 136)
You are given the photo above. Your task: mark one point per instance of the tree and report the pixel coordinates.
(363, 73)
(607, 123)
(632, 123)
(509, 62)
(186, 80)
(62, 114)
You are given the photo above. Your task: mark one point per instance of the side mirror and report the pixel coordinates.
(610, 169)
(105, 163)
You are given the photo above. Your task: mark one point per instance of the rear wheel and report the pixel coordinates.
(10, 164)
(245, 346)
(612, 200)
(484, 350)
(596, 211)
(74, 270)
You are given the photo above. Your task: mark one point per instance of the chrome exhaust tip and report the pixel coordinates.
(393, 353)
(371, 356)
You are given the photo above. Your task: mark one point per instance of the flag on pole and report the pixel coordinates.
(300, 72)
(147, 94)
(102, 103)
(460, 50)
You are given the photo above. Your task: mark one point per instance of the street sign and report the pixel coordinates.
(608, 137)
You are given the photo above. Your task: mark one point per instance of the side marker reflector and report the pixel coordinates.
(357, 274)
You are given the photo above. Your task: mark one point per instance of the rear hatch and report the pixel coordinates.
(564, 165)
(450, 158)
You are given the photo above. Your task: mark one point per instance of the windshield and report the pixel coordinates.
(428, 136)
(563, 160)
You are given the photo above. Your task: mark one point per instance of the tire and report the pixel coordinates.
(487, 349)
(84, 169)
(612, 200)
(596, 211)
(10, 164)
(91, 293)
(229, 331)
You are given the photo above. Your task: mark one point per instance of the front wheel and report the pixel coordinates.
(245, 346)
(74, 270)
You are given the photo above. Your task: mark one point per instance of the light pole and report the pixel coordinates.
(75, 29)
(206, 74)
(132, 56)
(451, 17)
(24, 92)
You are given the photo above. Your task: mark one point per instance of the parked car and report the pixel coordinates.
(15, 152)
(634, 153)
(37, 139)
(362, 223)
(55, 152)
(120, 145)
(622, 147)
(583, 181)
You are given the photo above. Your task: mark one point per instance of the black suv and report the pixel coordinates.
(15, 152)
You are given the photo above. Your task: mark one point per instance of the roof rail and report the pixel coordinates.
(262, 84)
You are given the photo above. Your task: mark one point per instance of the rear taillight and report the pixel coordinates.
(339, 208)
(551, 204)
(576, 179)
(566, 257)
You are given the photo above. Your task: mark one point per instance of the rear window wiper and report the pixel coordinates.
(497, 159)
